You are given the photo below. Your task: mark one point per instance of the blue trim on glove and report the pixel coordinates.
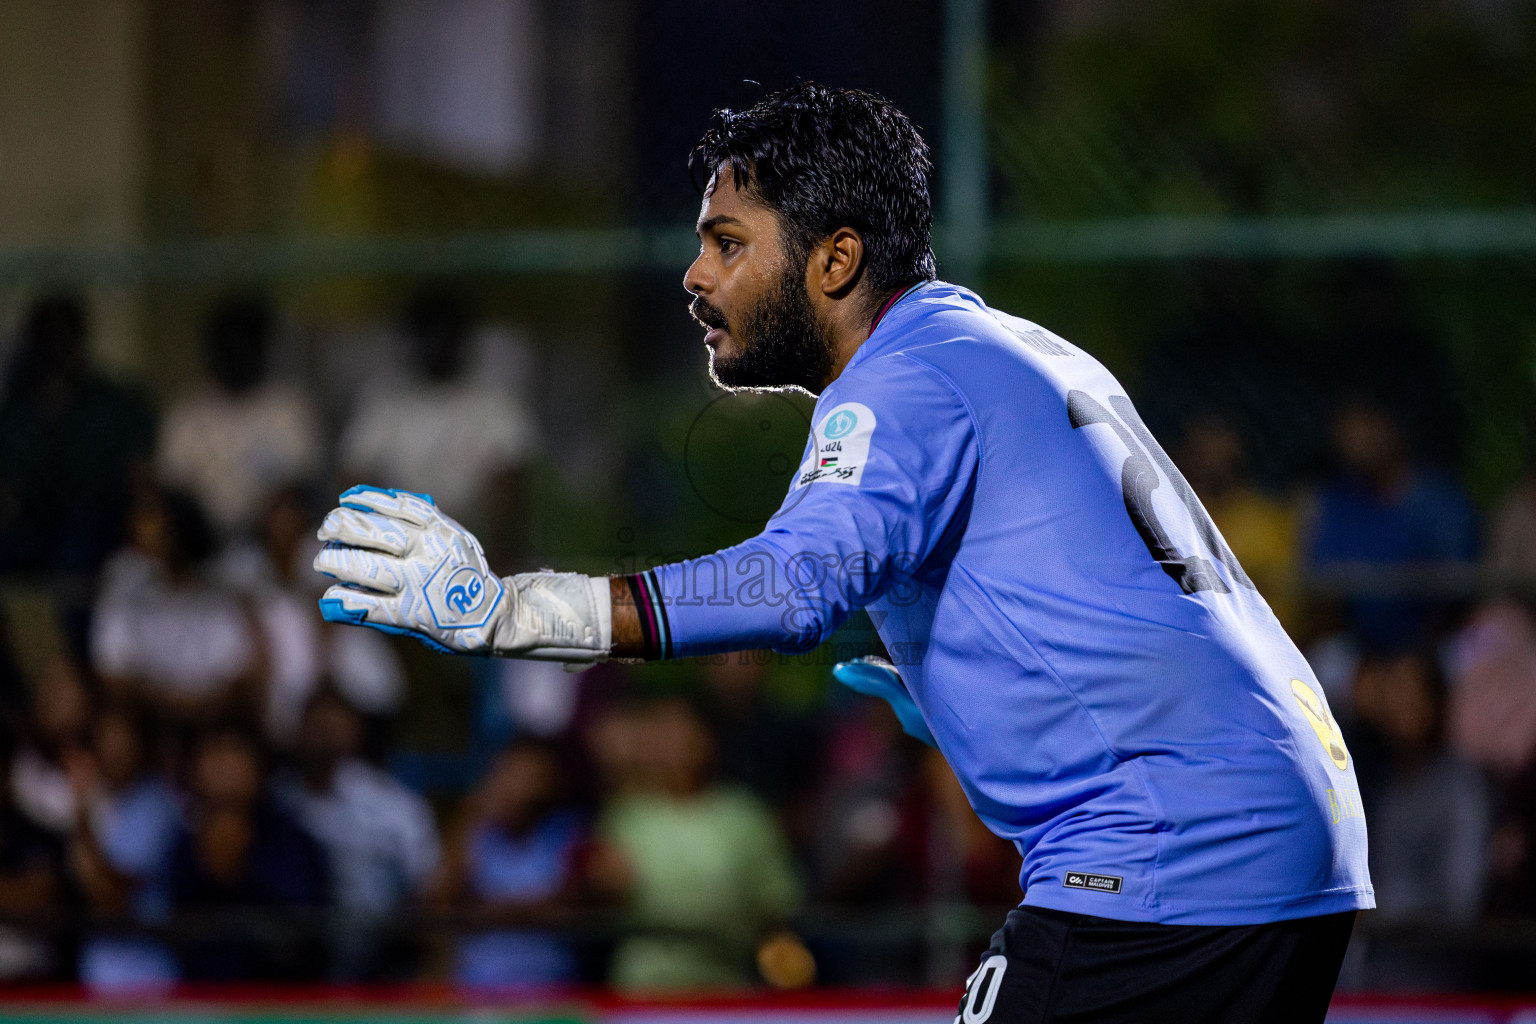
(332, 610)
(393, 492)
(874, 677)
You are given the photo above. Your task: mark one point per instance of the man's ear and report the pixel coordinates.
(838, 263)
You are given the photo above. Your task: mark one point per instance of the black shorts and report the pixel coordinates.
(1048, 966)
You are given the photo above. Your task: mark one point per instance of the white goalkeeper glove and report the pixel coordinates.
(404, 567)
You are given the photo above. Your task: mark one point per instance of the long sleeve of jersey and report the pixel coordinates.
(886, 475)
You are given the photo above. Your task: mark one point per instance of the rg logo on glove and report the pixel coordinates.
(462, 599)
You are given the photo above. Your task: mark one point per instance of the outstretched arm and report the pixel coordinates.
(404, 567)
(882, 478)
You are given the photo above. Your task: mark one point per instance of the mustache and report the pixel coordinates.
(706, 314)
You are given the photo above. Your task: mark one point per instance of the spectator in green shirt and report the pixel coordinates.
(703, 869)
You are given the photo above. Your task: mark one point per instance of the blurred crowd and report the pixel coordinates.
(204, 782)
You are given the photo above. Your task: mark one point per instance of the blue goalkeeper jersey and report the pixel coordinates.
(1112, 692)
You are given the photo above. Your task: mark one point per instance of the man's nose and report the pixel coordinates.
(698, 280)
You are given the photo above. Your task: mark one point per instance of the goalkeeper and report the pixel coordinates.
(1069, 627)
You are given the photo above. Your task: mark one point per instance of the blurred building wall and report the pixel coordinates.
(71, 139)
(459, 80)
(212, 166)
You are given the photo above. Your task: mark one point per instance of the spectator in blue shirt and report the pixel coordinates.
(244, 873)
(1385, 511)
(511, 870)
(128, 818)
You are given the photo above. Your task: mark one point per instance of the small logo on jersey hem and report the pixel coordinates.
(1098, 883)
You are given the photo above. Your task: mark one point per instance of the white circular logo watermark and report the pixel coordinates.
(742, 452)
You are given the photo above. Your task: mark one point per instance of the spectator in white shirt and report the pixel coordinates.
(380, 836)
(1430, 810)
(163, 630)
(272, 571)
(456, 439)
(241, 436)
(55, 731)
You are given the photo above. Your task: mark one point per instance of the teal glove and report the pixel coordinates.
(876, 677)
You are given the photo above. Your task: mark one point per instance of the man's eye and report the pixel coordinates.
(727, 244)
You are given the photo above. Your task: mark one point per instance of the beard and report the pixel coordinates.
(781, 345)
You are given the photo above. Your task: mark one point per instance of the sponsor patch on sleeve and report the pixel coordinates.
(840, 447)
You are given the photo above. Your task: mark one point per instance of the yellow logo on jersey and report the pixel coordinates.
(1322, 723)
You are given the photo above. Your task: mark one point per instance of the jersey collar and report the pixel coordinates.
(876, 341)
(886, 307)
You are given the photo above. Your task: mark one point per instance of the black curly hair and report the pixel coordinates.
(824, 159)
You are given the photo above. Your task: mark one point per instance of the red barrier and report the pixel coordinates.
(248, 1004)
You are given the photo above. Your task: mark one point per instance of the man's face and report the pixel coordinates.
(1366, 440)
(749, 291)
(329, 733)
(226, 773)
